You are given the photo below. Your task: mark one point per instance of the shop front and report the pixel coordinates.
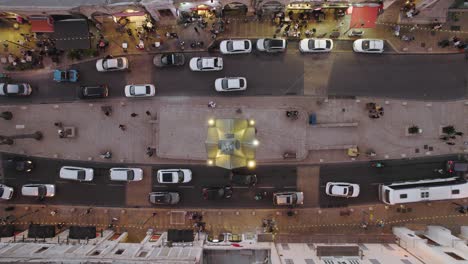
(317, 11)
(204, 9)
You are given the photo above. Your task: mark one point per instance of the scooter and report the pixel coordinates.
(377, 164)
(356, 33)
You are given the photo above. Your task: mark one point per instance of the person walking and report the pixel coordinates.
(196, 30)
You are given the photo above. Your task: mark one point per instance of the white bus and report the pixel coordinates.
(424, 190)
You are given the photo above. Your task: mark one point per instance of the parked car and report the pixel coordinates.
(6, 192)
(112, 64)
(66, 75)
(230, 84)
(216, 239)
(216, 193)
(38, 190)
(288, 198)
(140, 90)
(89, 92)
(126, 174)
(235, 46)
(76, 173)
(342, 189)
(169, 59)
(243, 179)
(174, 176)
(20, 164)
(15, 89)
(206, 64)
(456, 166)
(271, 45)
(164, 198)
(368, 45)
(316, 45)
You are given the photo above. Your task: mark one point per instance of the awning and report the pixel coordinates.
(183, 235)
(41, 231)
(71, 34)
(363, 16)
(44, 24)
(125, 14)
(82, 232)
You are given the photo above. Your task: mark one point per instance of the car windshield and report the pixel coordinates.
(350, 190)
(119, 63)
(1, 191)
(311, 44)
(148, 89)
(241, 82)
(199, 63)
(41, 190)
(366, 45)
(162, 198)
(224, 83)
(105, 65)
(328, 44)
(180, 175)
(81, 175)
(130, 175)
(132, 90)
(274, 43)
(230, 45)
(168, 59)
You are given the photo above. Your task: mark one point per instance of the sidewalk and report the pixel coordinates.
(177, 129)
(304, 224)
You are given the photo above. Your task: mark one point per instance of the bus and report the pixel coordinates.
(423, 190)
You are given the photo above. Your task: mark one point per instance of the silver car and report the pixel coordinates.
(18, 89)
(164, 198)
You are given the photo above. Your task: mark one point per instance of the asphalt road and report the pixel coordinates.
(428, 77)
(103, 192)
(369, 178)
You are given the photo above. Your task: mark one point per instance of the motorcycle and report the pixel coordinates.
(377, 164)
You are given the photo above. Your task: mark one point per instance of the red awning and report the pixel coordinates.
(125, 14)
(364, 16)
(41, 26)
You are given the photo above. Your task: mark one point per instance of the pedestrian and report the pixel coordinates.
(134, 115)
(450, 143)
(122, 127)
(88, 211)
(58, 124)
(148, 113)
(107, 113)
(196, 30)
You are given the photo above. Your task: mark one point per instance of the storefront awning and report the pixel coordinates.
(364, 16)
(71, 34)
(42, 25)
(125, 14)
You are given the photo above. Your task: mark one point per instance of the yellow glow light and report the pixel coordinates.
(210, 162)
(211, 122)
(255, 142)
(251, 122)
(251, 164)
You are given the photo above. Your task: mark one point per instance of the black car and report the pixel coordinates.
(164, 198)
(98, 91)
(20, 164)
(243, 179)
(169, 59)
(216, 193)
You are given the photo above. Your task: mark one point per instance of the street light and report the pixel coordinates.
(251, 122)
(210, 162)
(211, 122)
(251, 164)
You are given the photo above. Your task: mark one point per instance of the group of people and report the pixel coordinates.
(375, 111)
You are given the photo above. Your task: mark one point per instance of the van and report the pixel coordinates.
(38, 190)
(126, 174)
(76, 173)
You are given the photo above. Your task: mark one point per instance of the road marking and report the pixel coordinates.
(265, 187)
(240, 187)
(90, 183)
(187, 187)
(160, 186)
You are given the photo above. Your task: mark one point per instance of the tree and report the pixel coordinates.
(449, 130)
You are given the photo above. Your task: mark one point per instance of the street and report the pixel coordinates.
(103, 192)
(341, 73)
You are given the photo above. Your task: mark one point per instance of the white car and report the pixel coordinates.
(368, 45)
(235, 46)
(230, 84)
(316, 45)
(272, 45)
(288, 198)
(206, 64)
(139, 90)
(5, 192)
(112, 64)
(342, 189)
(76, 173)
(15, 89)
(174, 176)
(38, 190)
(126, 174)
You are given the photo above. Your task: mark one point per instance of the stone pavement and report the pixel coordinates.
(302, 225)
(176, 127)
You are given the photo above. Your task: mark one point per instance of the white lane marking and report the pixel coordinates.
(265, 187)
(191, 187)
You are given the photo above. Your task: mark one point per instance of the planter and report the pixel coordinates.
(412, 130)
